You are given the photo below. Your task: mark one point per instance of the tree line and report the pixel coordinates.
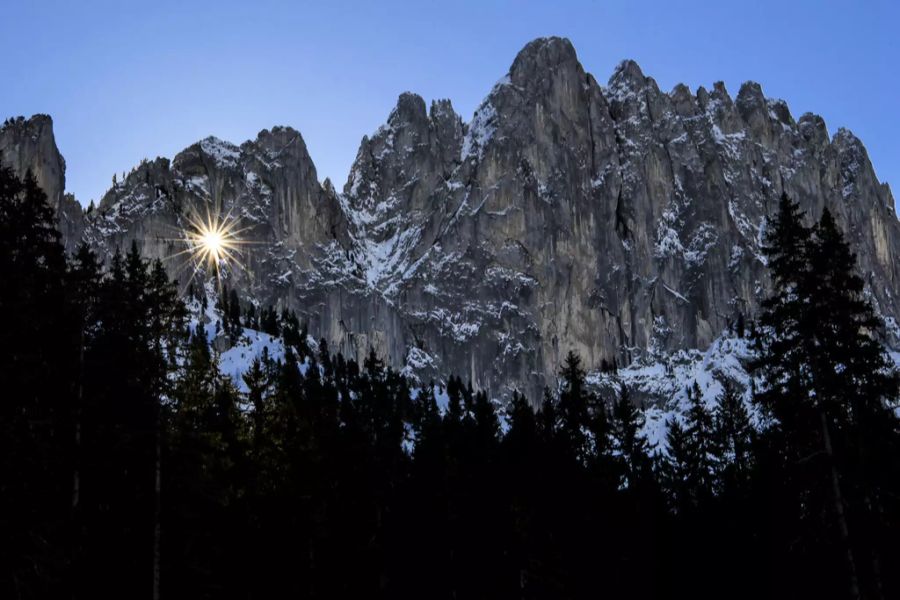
(131, 467)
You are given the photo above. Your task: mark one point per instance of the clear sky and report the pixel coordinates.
(129, 80)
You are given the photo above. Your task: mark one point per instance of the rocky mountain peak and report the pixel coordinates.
(222, 152)
(282, 140)
(442, 110)
(410, 108)
(683, 101)
(627, 91)
(813, 129)
(750, 96)
(627, 72)
(844, 139)
(751, 104)
(210, 153)
(542, 56)
(37, 126)
(29, 145)
(780, 111)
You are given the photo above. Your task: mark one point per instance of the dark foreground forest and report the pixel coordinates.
(131, 468)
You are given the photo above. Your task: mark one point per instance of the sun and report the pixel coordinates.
(210, 243)
(214, 240)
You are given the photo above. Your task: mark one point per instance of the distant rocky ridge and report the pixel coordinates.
(615, 221)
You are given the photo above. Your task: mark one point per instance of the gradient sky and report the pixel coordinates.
(129, 80)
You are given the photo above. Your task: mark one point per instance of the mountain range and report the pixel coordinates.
(619, 221)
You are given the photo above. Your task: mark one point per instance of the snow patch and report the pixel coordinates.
(225, 154)
(481, 130)
(236, 361)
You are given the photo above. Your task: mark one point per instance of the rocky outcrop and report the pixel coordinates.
(611, 220)
(268, 189)
(29, 145)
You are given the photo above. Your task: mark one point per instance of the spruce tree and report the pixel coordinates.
(548, 420)
(628, 445)
(781, 343)
(257, 381)
(732, 437)
(234, 310)
(825, 379)
(678, 466)
(269, 321)
(700, 446)
(290, 332)
(855, 391)
(487, 425)
(573, 407)
(522, 424)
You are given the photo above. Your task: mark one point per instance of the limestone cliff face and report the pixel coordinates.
(566, 215)
(28, 145)
(606, 220)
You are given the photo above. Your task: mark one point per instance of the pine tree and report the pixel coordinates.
(599, 427)
(522, 424)
(250, 317)
(740, 327)
(700, 446)
(628, 445)
(83, 282)
(573, 406)
(257, 381)
(780, 344)
(455, 406)
(855, 393)
(426, 420)
(822, 371)
(678, 466)
(290, 332)
(487, 425)
(852, 373)
(268, 321)
(234, 310)
(733, 437)
(548, 419)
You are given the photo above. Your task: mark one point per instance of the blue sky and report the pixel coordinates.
(128, 80)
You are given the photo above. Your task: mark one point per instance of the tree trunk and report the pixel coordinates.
(79, 400)
(876, 562)
(157, 488)
(839, 508)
